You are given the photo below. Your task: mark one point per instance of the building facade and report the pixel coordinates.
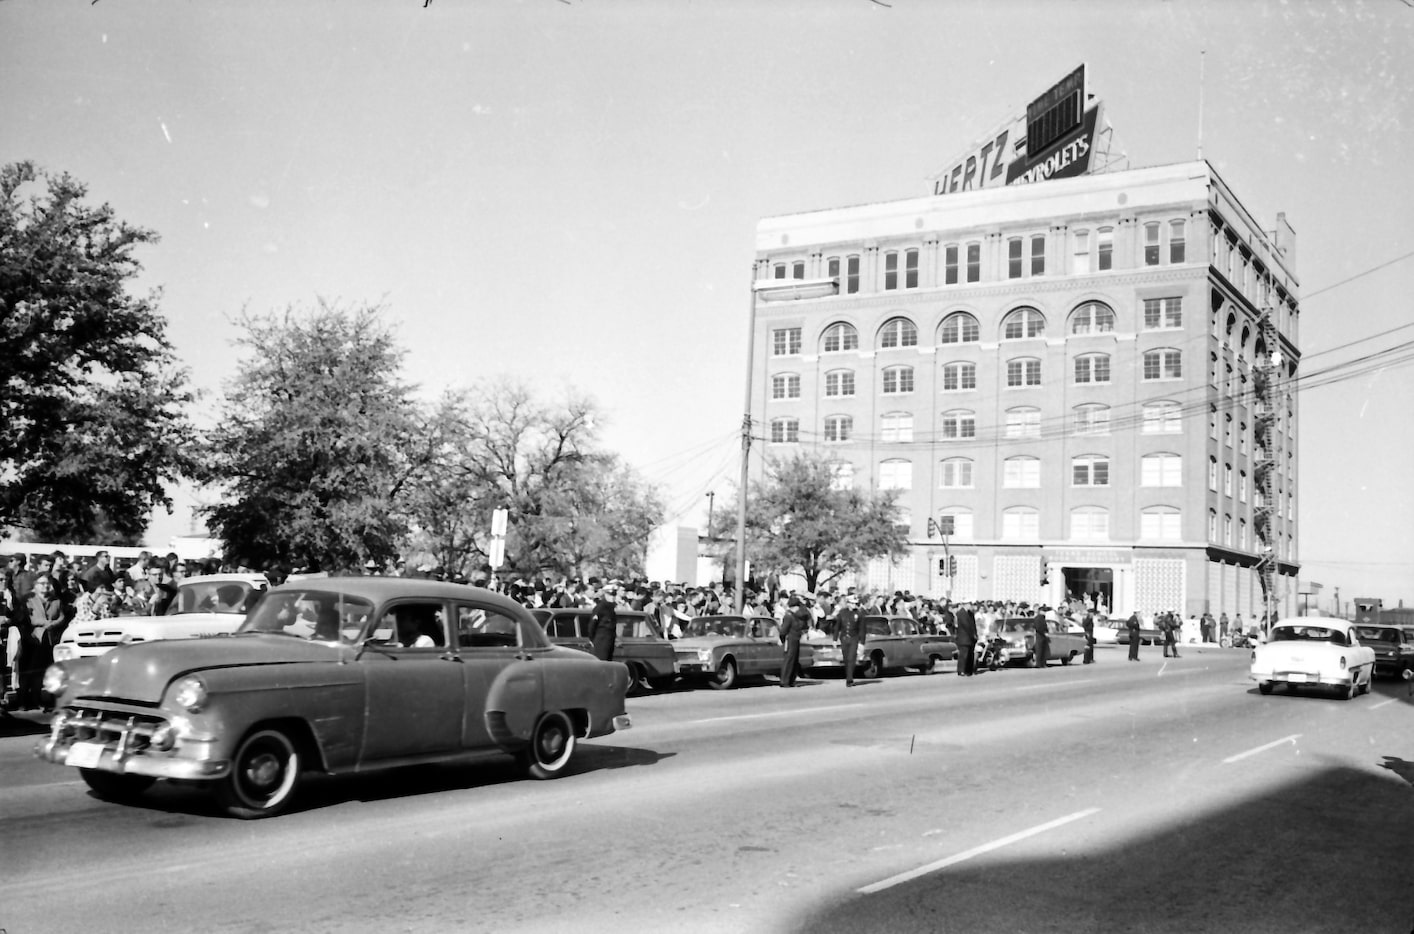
(1078, 387)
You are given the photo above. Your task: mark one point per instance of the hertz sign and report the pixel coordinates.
(1054, 139)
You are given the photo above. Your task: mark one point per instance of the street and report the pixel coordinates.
(1160, 796)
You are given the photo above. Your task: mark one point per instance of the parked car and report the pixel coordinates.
(1149, 633)
(1394, 649)
(720, 650)
(1107, 631)
(891, 642)
(338, 675)
(651, 662)
(1313, 651)
(1067, 640)
(208, 605)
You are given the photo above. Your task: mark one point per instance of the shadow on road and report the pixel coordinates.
(23, 725)
(1263, 866)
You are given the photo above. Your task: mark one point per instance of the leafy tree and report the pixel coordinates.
(93, 420)
(573, 509)
(317, 441)
(798, 521)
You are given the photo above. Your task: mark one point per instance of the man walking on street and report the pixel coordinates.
(966, 635)
(1132, 626)
(1170, 628)
(793, 626)
(1088, 625)
(604, 623)
(849, 629)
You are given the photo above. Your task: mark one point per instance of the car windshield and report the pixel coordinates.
(319, 616)
(1308, 634)
(1016, 625)
(714, 626)
(876, 626)
(1376, 634)
(216, 597)
(902, 627)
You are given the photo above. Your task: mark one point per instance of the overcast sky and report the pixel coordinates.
(567, 190)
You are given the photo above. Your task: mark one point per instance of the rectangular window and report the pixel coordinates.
(1161, 470)
(1021, 526)
(839, 383)
(890, 271)
(1080, 260)
(1105, 246)
(1022, 473)
(974, 262)
(1176, 251)
(1163, 364)
(785, 386)
(797, 270)
(832, 267)
(1093, 368)
(1092, 420)
(778, 271)
(950, 264)
(1160, 313)
(1165, 526)
(1023, 373)
(897, 427)
(910, 269)
(956, 426)
(1151, 244)
(1090, 471)
(1038, 256)
(1091, 526)
(785, 342)
(1023, 423)
(1013, 259)
(852, 275)
(956, 473)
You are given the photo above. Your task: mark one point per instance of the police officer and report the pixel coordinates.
(1087, 623)
(849, 629)
(604, 623)
(793, 625)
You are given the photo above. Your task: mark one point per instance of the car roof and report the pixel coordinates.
(1330, 622)
(377, 589)
(231, 578)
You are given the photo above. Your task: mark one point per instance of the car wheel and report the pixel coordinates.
(1067, 659)
(551, 746)
(637, 681)
(930, 666)
(726, 676)
(265, 772)
(1264, 687)
(1225, 642)
(111, 786)
(873, 667)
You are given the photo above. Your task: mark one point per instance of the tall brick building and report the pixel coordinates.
(1087, 378)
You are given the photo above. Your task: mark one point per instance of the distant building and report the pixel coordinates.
(1087, 377)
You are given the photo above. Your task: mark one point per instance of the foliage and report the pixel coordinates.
(317, 441)
(573, 509)
(798, 521)
(93, 417)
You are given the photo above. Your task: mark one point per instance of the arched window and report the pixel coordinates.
(785, 386)
(838, 427)
(1163, 523)
(896, 474)
(898, 332)
(839, 337)
(959, 328)
(1092, 369)
(785, 430)
(959, 377)
(1023, 371)
(955, 473)
(1161, 470)
(839, 383)
(1092, 318)
(1164, 363)
(898, 380)
(1021, 473)
(1023, 323)
(1092, 419)
(958, 425)
(1163, 417)
(1089, 524)
(896, 426)
(1021, 524)
(1023, 422)
(1090, 470)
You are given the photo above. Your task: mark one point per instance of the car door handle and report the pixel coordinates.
(451, 657)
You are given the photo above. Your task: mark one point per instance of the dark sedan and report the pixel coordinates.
(638, 644)
(1394, 649)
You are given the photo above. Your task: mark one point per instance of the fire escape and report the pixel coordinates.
(1267, 405)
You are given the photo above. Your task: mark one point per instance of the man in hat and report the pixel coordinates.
(849, 629)
(965, 633)
(604, 623)
(793, 625)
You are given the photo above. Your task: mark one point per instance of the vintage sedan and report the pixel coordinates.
(721, 650)
(338, 675)
(1067, 640)
(1313, 651)
(651, 662)
(891, 643)
(1394, 649)
(208, 605)
(1149, 633)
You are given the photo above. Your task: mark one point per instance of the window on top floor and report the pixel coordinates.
(1022, 323)
(1105, 247)
(1038, 256)
(1080, 258)
(1176, 244)
(1151, 244)
(891, 271)
(898, 332)
(950, 264)
(797, 269)
(839, 337)
(910, 269)
(974, 262)
(851, 278)
(959, 328)
(1013, 258)
(1092, 318)
(778, 271)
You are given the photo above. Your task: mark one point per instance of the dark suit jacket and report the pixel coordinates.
(966, 622)
(849, 624)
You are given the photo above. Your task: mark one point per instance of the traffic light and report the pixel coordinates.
(952, 565)
(1045, 573)
(943, 566)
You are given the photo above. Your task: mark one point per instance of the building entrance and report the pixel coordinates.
(1094, 587)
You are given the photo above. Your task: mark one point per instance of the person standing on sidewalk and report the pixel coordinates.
(793, 625)
(1131, 625)
(965, 622)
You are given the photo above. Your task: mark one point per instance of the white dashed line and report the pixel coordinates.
(1272, 745)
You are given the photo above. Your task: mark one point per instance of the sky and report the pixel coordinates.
(565, 192)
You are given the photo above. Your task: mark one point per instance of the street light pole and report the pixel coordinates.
(768, 290)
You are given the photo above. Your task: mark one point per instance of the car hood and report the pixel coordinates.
(199, 622)
(142, 672)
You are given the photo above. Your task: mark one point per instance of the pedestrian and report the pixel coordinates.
(604, 622)
(1170, 628)
(1205, 627)
(849, 629)
(794, 624)
(1131, 625)
(965, 629)
(41, 623)
(1222, 627)
(1041, 646)
(99, 573)
(1087, 623)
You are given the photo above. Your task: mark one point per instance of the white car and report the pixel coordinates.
(208, 605)
(1314, 651)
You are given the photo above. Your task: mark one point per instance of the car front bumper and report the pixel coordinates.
(109, 742)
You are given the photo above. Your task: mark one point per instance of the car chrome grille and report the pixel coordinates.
(128, 732)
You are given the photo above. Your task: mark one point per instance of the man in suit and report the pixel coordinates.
(1041, 649)
(1132, 625)
(1087, 623)
(849, 629)
(965, 632)
(604, 623)
(793, 625)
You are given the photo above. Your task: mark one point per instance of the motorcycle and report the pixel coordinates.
(1237, 640)
(991, 653)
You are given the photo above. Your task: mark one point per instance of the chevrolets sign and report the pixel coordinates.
(1067, 157)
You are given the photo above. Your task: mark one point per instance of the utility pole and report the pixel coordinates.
(710, 495)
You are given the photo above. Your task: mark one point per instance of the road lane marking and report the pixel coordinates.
(780, 713)
(1272, 745)
(1037, 687)
(1383, 703)
(975, 851)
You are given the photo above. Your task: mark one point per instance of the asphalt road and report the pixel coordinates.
(1118, 797)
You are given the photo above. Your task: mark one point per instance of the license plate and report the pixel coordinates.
(1296, 677)
(84, 755)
